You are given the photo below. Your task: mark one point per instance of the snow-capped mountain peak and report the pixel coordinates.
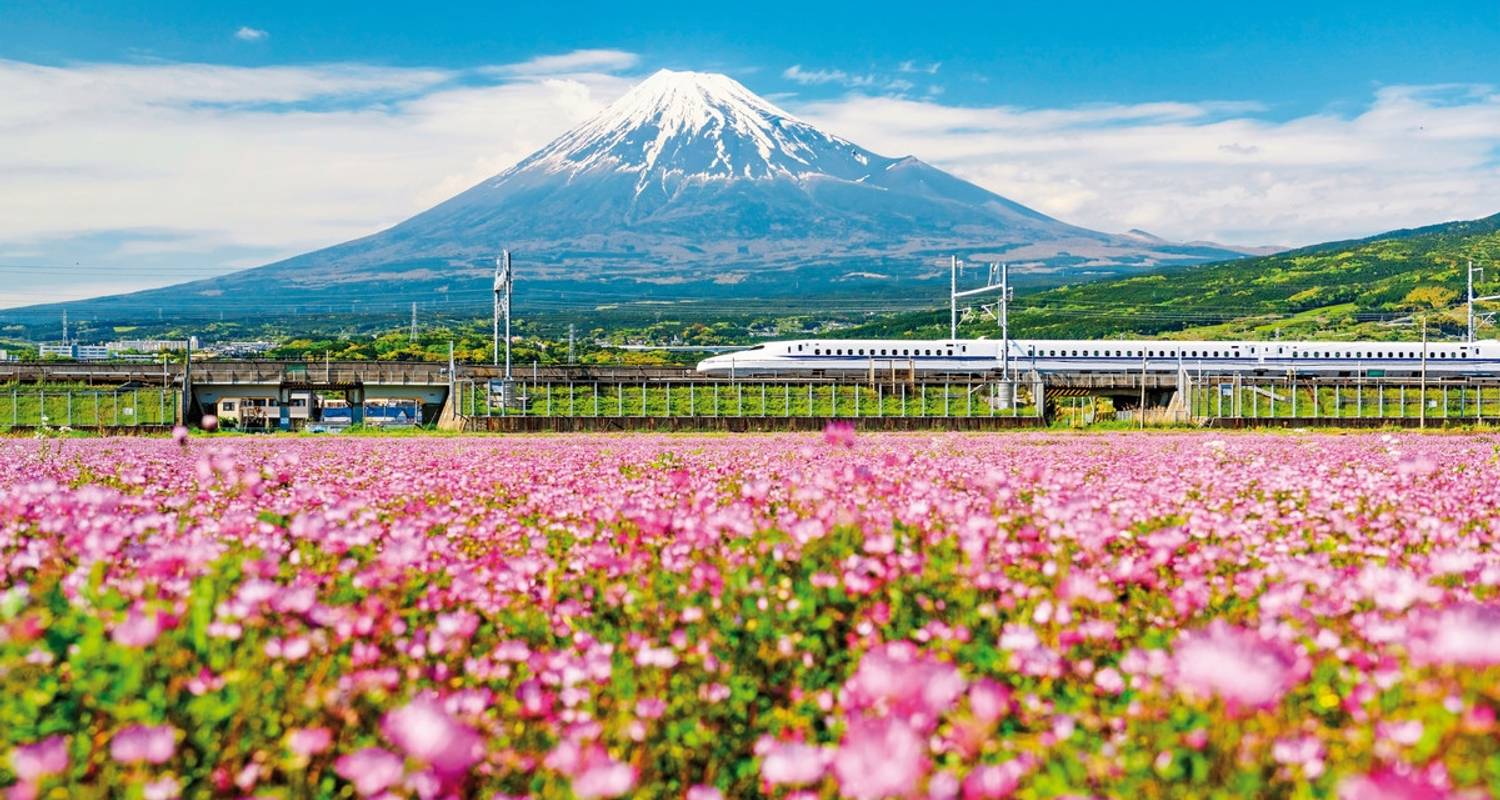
(678, 126)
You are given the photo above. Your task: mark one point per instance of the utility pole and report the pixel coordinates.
(65, 326)
(570, 344)
(413, 336)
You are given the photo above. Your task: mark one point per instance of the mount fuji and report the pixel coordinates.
(688, 186)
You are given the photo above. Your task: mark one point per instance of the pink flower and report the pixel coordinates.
(994, 781)
(602, 776)
(879, 758)
(139, 628)
(899, 679)
(839, 433)
(371, 770)
(1109, 681)
(793, 764)
(1467, 635)
(307, 742)
(32, 762)
(427, 733)
(1387, 785)
(1235, 664)
(701, 792)
(162, 789)
(209, 422)
(988, 700)
(180, 435)
(152, 744)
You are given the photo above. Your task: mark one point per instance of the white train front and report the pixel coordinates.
(984, 357)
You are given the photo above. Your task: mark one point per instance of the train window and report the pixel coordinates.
(817, 352)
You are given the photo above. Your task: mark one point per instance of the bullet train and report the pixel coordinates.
(813, 357)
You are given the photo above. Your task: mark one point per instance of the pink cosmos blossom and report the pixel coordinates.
(139, 628)
(154, 744)
(793, 764)
(1387, 785)
(994, 781)
(701, 792)
(166, 788)
(308, 742)
(1234, 664)
(989, 700)
(601, 777)
(1109, 681)
(1467, 634)
(839, 433)
(879, 758)
(897, 678)
(32, 762)
(371, 770)
(426, 732)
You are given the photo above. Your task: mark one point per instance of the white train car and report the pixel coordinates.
(983, 357)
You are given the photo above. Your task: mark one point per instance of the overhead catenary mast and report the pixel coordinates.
(1473, 329)
(1002, 286)
(504, 282)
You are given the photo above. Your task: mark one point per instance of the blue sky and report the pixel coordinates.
(1295, 56)
(154, 141)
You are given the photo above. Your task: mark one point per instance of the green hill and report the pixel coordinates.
(1370, 287)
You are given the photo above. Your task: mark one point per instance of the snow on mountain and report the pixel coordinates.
(692, 181)
(697, 126)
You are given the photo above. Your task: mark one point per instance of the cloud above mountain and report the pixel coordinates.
(170, 166)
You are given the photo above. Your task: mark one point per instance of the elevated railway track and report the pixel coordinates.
(613, 397)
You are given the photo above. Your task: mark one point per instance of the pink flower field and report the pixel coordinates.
(1028, 615)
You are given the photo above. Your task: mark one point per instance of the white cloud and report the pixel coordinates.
(157, 167)
(815, 77)
(1225, 171)
(917, 67)
(160, 169)
(249, 34)
(576, 61)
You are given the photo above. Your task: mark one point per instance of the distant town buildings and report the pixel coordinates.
(77, 352)
(120, 350)
(238, 349)
(152, 345)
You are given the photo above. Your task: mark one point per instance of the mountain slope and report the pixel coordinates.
(1356, 286)
(689, 181)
